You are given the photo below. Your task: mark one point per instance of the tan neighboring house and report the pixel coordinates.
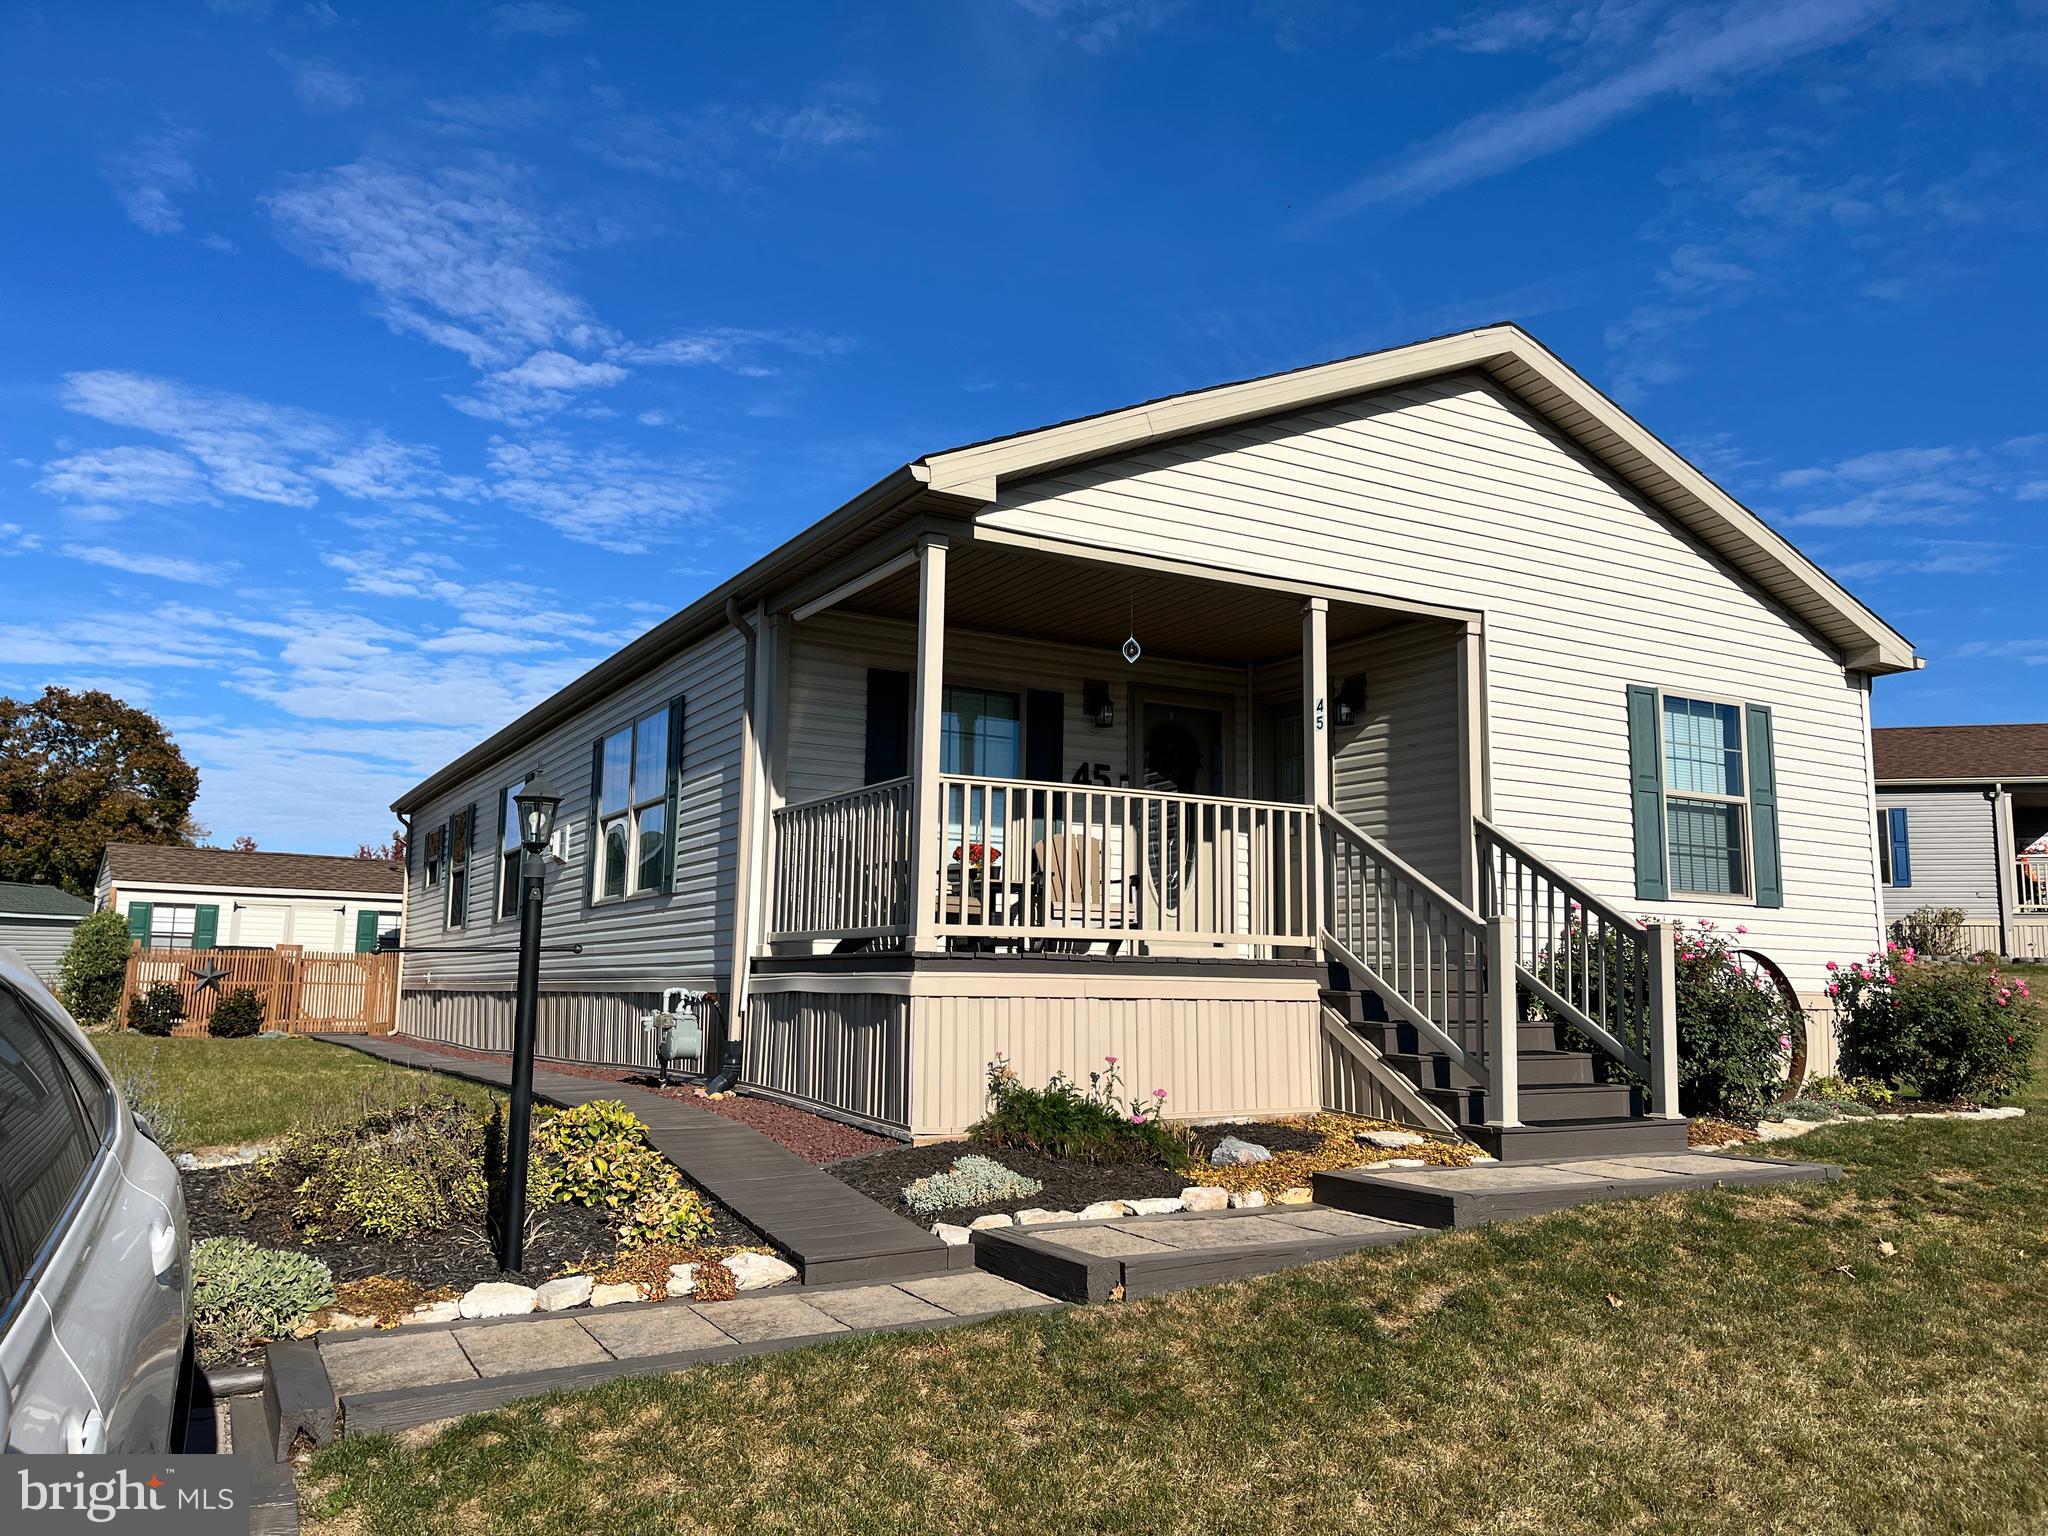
(1268, 737)
(1963, 822)
(203, 898)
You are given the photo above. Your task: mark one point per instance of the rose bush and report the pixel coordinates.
(1945, 1032)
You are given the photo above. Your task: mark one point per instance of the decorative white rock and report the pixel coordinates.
(560, 1295)
(1248, 1200)
(612, 1295)
(1038, 1216)
(1156, 1205)
(1234, 1151)
(950, 1235)
(1204, 1197)
(345, 1322)
(682, 1279)
(434, 1312)
(1403, 1162)
(1299, 1194)
(497, 1298)
(1391, 1139)
(992, 1219)
(757, 1271)
(1105, 1210)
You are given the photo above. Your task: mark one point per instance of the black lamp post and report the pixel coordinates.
(536, 803)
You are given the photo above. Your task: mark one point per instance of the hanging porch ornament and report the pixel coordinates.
(1133, 650)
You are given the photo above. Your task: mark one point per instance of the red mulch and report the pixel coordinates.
(814, 1138)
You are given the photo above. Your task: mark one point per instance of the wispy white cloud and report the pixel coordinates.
(321, 86)
(1936, 486)
(545, 383)
(504, 112)
(153, 172)
(609, 497)
(142, 563)
(126, 477)
(536, 18)
(1542, 26)
(1693, 53)
(1096, 26)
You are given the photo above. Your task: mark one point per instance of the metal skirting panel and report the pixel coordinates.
(1215, 1058)
(849, 1052)
(602, 1028)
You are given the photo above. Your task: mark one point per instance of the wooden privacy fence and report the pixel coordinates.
(302, 990)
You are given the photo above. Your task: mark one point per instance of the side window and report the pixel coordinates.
(509, 855)
(46, 1144)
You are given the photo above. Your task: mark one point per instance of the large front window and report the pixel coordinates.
(981, 733)
(1705, 797)
(633, 809)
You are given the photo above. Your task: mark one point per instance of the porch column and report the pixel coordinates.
(928, 833)
(1315, 751)
(1473, 799)
(2005, 849)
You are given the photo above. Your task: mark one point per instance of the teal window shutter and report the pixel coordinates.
(205, 927)
(1646, 793)
(366, 932)
(675, 785)
(1902, 846)
(1763, 809)
(138, 920)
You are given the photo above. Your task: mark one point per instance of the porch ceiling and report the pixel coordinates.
(1084, 602)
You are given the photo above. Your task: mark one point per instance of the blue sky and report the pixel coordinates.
(369, 371)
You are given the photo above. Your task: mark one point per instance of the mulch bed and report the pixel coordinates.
(1068, 1185)
(814, 1138)
(559, 1238)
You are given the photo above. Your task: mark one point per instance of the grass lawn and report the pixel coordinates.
(1728, 1362)
(228, 1091)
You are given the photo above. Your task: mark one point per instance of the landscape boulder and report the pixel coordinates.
(758, 1271)
(1235, 1152)
(560, 1295)
(497, 1298)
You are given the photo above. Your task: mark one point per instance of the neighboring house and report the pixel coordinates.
(1963, 822)
(200, 898)
(36, 923)
(1319, 667)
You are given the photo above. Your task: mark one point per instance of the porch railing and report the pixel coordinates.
(2032, 877)
(1420, 948)
(842, 865)
(1073, 862)
(1607, 975)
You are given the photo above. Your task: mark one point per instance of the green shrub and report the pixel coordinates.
(94, 967)
(598, 1154)
(1932, 933)
(972, 1180)
(158, 1011)
(1090, 1125)
(1944, 1031)
(243, 1295)
(236, 1016)
(1735, 1028)
(384, 1170)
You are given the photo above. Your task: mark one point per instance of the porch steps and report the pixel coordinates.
(1568, 1108)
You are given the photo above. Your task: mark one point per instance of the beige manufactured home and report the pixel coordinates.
(1963, 824)
(1272, 738)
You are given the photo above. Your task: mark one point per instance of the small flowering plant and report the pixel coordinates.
(1093, 1124)
(978, 853)
(1946, 1032)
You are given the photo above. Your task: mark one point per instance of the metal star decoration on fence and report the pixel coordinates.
(209, 976)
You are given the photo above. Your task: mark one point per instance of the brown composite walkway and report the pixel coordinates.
(829, 1231)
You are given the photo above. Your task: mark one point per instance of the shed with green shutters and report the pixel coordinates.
(177, 897)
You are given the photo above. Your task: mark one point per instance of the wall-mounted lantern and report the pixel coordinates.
(1095, 699)
(1351, 700)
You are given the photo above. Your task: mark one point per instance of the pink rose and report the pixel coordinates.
(1834, 989)
(1832, 966)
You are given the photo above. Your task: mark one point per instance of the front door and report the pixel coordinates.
(1182, 748)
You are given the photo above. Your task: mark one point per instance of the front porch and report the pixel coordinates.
(1065, 809)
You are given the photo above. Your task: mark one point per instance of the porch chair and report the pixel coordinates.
(1073, 888)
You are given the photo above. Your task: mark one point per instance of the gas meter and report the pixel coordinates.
(678, 1028)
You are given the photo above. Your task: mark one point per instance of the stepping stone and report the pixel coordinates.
(1329, 1223)
(968, 1292)
(1229, 1232)
(663, 1330)
(874, 1306)
(759, 1319)
(1104, 1242)
(1699, 1165)
(516, 1348)
(379, 1364)
(1493, 1179)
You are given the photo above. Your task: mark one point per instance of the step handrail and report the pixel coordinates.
(1422, 939)
(1591, 984)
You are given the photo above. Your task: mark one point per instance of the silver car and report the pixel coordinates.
(95, 1283)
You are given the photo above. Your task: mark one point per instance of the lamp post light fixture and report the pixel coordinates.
(535, 803)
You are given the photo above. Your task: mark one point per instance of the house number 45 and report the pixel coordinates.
(1319, 714)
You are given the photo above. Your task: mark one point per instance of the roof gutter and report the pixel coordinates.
(667, 638)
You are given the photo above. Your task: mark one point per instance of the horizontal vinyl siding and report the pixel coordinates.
(828, 681)
(1950, 834)
(39, 944)
(1446, 492)
(682, 938)
(257, 920)
(1394, 769)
